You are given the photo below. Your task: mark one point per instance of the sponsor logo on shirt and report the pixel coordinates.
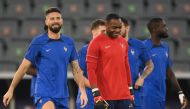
(48, 50)
(132, 52)
(166, 54)
(40, 101)
(65, 49)
(122, 45)
(107, 46)
(153, 55)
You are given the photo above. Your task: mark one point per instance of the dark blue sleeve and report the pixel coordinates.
(73, 53)
(32, 52)
(144, 56)
(82, 58)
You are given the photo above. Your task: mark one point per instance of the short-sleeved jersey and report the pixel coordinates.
(51, 58)
(137, 52)
(155, 83)
(32, 86)
(112, 72)
(82, 63)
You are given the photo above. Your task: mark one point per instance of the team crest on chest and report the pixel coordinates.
(166, 54)
(122, 45)
(132, 52)
(65, 49)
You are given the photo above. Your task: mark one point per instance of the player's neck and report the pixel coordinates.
(155, 40)
(53, 35)
(125, 37)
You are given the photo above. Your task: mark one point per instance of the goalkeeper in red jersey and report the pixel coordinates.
(108, 66)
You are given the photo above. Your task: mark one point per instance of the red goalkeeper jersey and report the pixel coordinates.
(108, 67)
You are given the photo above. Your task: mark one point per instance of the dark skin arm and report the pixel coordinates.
(176, 85)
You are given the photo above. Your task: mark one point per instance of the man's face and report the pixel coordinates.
(98, 31)
(54, 22)
(114, 28)
(124, 30)
(162, 30)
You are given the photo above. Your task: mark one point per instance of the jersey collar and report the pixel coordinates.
(47, 39)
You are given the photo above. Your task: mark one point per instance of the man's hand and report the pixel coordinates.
(182, 99)
(99, 102)
(139, 83)
(83, 99)
(7, 97)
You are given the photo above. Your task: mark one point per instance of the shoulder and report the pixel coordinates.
(99, 37)
(120, 38)
(165, 44)
(135, 42)
(40, 39)
(67, 39)
(147, 43)
(84, 49)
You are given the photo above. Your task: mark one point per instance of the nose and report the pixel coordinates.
(118, 30)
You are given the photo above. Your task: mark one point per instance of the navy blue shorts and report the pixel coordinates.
(151, 103)
(60, 103)
(119, 104)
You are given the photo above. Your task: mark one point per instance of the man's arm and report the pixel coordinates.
(177, 87)
(16, 79)
(147, 70)
(86, 82)
(79, 78)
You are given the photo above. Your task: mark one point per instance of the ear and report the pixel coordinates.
(129, 27)
(154, 29)
(46, 21)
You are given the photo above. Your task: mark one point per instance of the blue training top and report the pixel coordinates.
(138, 56)
(82, 62)
(51, 58)
(155, 86)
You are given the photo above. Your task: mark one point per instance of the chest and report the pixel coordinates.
(133, 53)
(159, 54)
(112, 49)
(56, 50)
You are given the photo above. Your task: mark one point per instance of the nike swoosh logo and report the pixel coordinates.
(108, 46)
(153, 54)
(48, 50)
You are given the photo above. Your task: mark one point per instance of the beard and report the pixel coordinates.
(55, 29)
(162, 35)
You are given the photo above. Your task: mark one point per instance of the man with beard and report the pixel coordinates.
(155, 84)
(138, 57)
(50, 53)
(108, 67)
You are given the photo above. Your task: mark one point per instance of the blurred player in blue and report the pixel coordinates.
(155, 84)
(50, 53)
(97, 27)
(137, 52)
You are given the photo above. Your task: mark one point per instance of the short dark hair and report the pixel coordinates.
(125, 21)
(111, 16)
(97, 22)
(153, 23)
(50, 10)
